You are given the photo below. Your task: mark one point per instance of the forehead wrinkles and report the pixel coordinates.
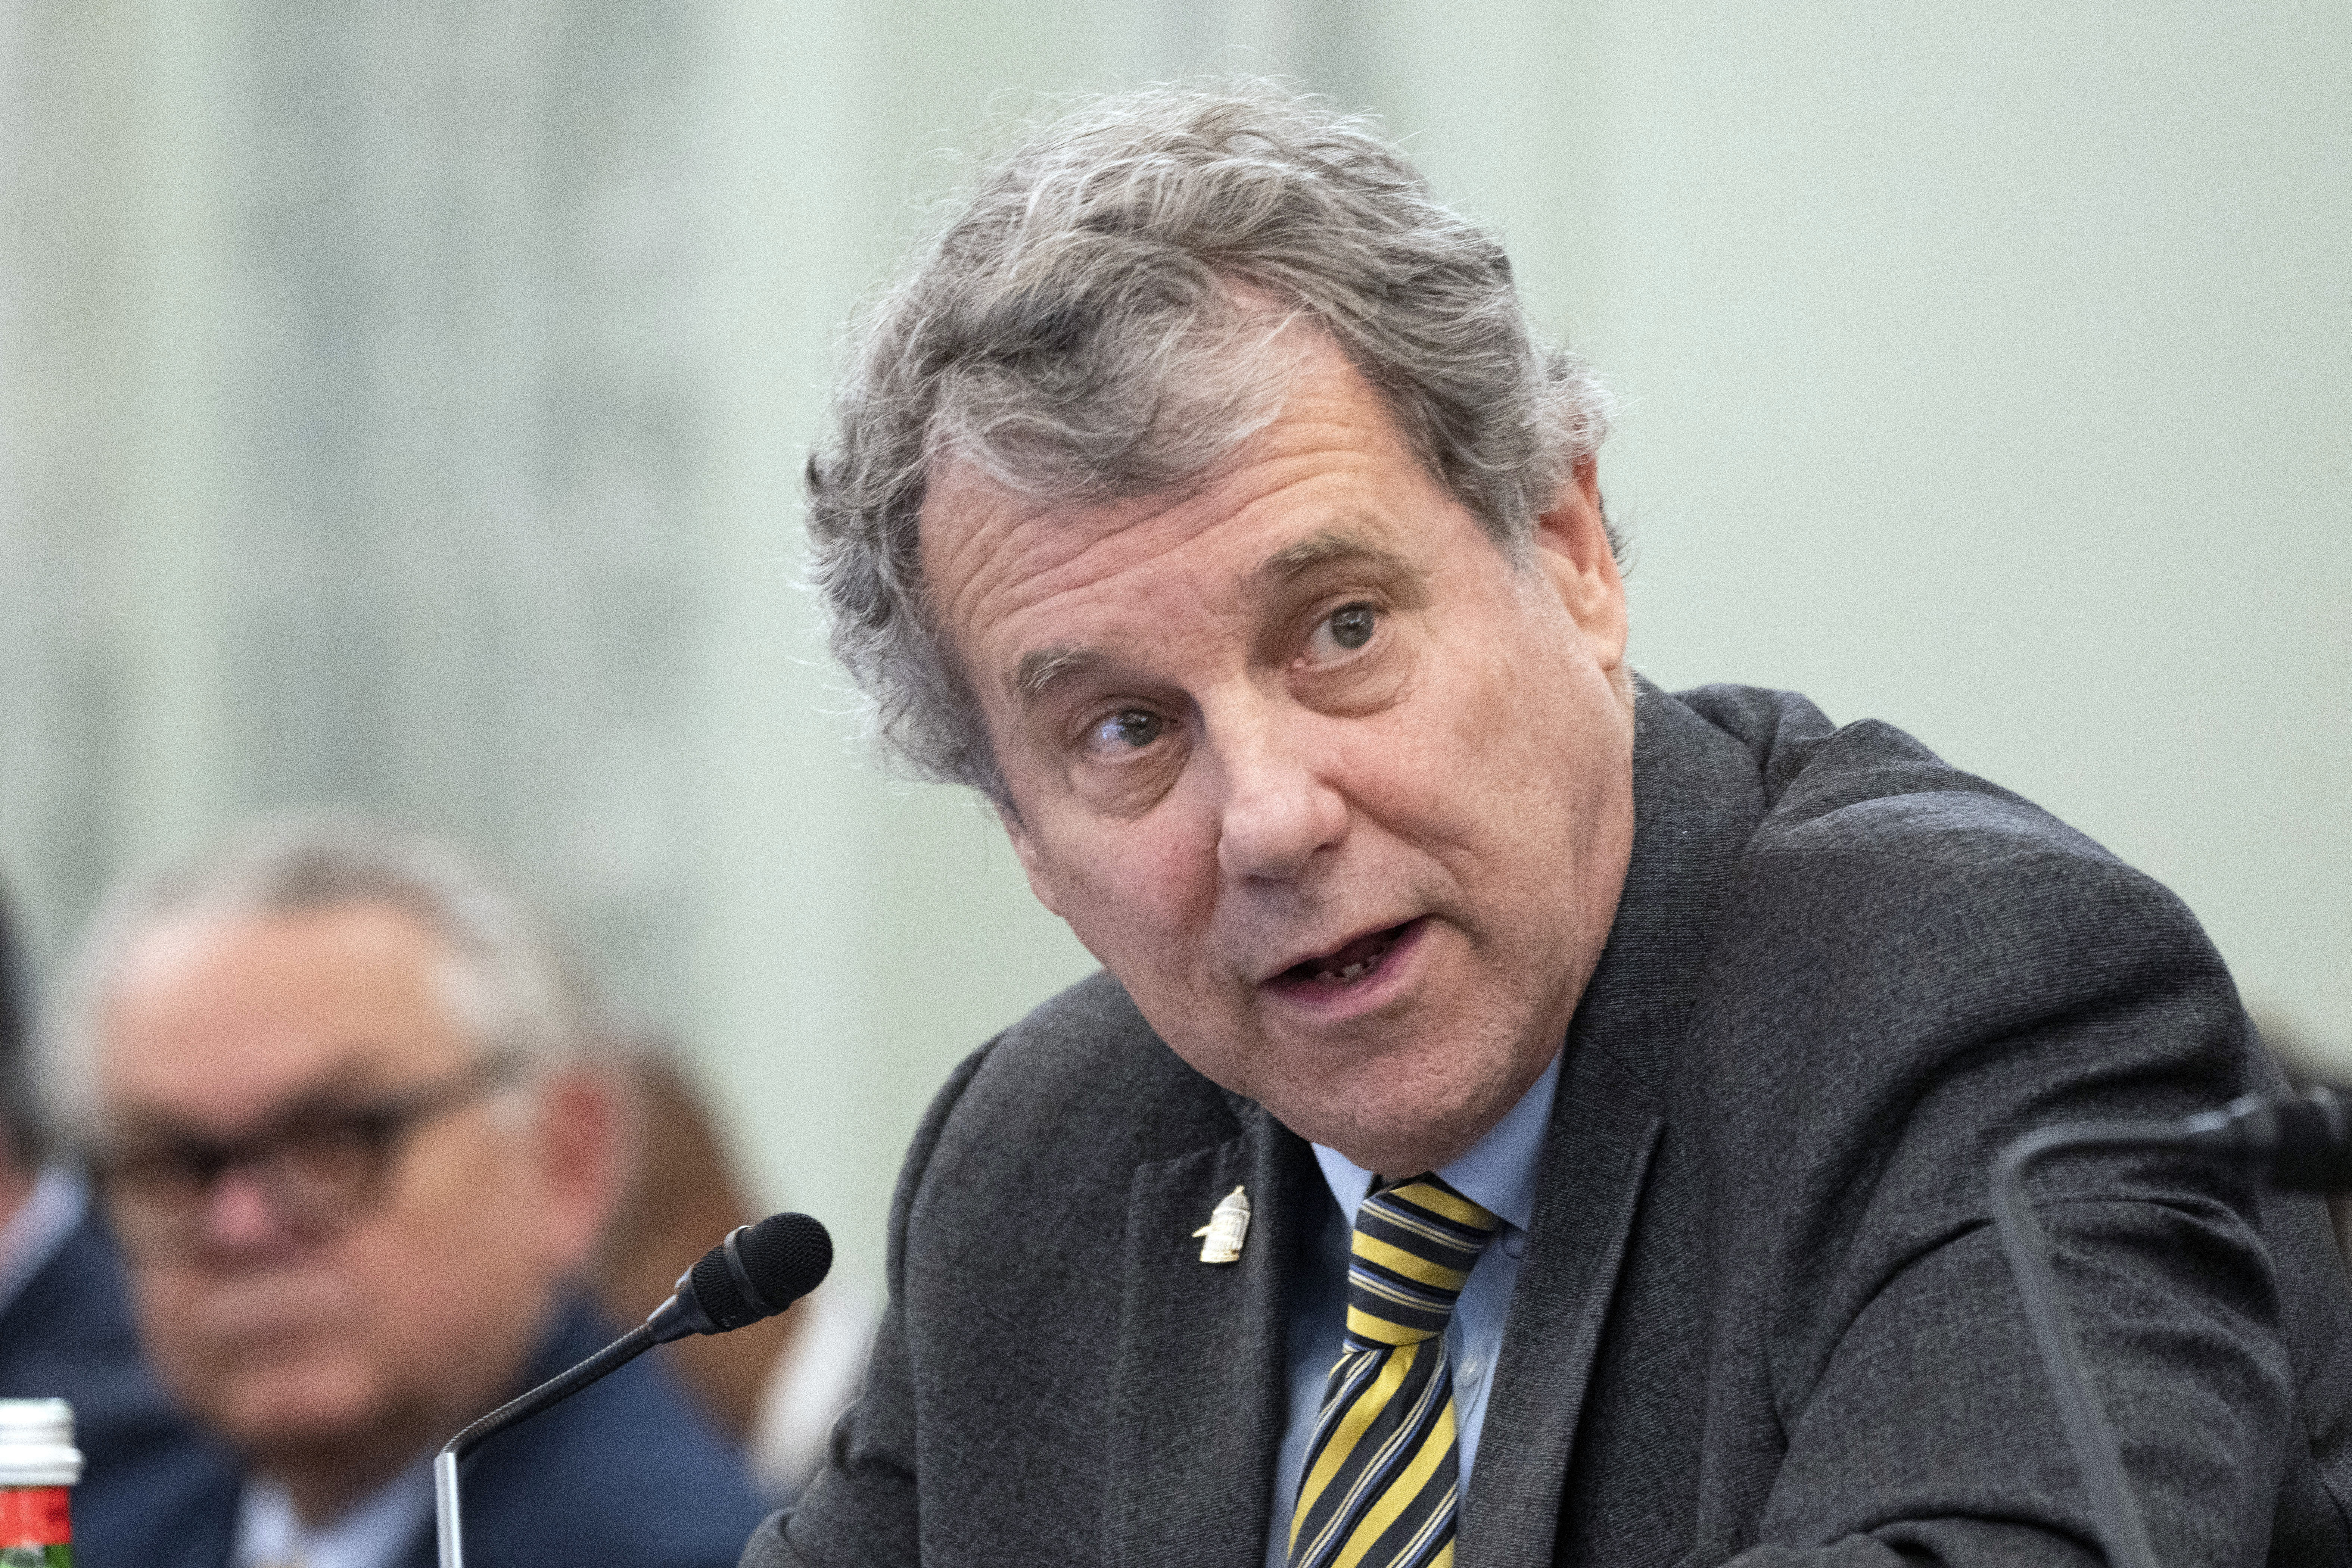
(990, 556)
(1094, 612)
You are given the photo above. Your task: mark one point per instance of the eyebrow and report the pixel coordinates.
(1332, 547)
(1041, 669)
(338, 1087)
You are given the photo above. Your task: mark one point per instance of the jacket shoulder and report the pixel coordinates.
(1870, 787)
(1084, 1075)
(1906, 930)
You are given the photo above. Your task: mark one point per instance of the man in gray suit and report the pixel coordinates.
(1528, 1117)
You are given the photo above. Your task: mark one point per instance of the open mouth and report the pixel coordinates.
(1346, 965)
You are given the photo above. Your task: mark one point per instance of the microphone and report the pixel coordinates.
(756, 1272)
(2302, 1141)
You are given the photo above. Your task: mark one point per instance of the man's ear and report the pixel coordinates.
(582, 1137)
(1032, 862)
(1572, 550)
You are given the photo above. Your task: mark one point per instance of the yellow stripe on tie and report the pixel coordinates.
(1380, 1330)
(1437, 1200)
(1404, 1489)
(1412, 1265)
(1347, 1494)
(1388, 1468)
(1349, 1433)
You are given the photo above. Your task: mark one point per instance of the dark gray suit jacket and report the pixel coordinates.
(1763, 1308)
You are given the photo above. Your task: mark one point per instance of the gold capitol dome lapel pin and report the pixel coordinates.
(1228, 1227)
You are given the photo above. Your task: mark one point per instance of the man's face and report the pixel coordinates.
(376, 1334)
(1342, 795)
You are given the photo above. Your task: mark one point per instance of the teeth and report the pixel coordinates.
(1355, 970)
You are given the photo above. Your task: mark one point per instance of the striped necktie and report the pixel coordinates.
(1378, 1490)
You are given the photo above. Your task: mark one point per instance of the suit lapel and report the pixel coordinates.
(1596, 1156)
(1697, 798)
(1196, 1413)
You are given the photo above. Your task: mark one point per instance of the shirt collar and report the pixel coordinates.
(375, 1532)
(1499, 1172)
(39, 1228)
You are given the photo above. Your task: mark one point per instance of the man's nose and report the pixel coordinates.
(238, 1217)
(1279, 808)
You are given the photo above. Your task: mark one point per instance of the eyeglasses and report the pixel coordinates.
(319, 1166)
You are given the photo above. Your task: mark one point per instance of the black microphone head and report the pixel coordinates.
(780, 1259)
(2315, 1143)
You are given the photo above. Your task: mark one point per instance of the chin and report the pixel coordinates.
(1381, 1133)
(1429, 1109)
(296, 1408)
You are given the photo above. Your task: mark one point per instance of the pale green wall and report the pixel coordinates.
(1992, 368)
(1985, 371)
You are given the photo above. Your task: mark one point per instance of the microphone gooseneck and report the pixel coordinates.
(756, 1272)
(2122, 1532)
(2299, 1141)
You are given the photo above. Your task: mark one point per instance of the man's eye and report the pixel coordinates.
(1129, 730)
(1346, 629)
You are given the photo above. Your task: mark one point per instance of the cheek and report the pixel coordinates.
(168, 1301)
(463, 1228)
(1441, 771)
(1139, 894)
(1511, 770)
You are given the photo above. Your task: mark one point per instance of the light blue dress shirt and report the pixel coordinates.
(375, 1532)
(1498, 1174)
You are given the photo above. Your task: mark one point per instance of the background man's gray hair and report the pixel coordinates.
(1073, 333)
(511, 985)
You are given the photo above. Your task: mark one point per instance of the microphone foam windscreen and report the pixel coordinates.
(785, 1256)
(2315, 1148)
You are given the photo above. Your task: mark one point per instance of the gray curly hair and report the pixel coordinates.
(1095, 319)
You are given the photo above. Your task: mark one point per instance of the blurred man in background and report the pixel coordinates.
(343, 1113)
(65, 1322)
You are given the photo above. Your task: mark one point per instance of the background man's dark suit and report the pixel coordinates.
(68, 1335)
(626, 1473)
(1762, 1302)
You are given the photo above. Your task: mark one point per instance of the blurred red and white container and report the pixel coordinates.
(38, 1467)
